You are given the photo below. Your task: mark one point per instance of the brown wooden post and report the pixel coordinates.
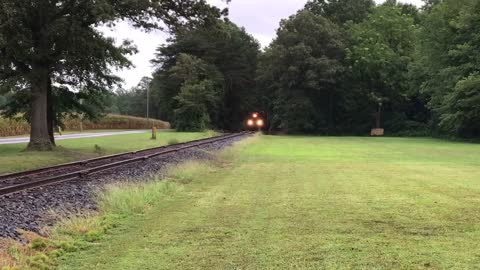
(154, 133)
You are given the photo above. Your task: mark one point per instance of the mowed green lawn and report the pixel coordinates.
(311, 203)
(14, 158)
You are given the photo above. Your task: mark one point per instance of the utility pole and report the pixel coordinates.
(148, 103)
(81, 118)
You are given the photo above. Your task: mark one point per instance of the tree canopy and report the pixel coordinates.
(341, 11)
(226, 57)
(300, 70)
(56, 43)
(448, 66)
(334, 67)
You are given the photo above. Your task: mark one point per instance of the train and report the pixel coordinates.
(256, 121)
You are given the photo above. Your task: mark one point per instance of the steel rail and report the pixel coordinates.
(87, 161)
(86, 172)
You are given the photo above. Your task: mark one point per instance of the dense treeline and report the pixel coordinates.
(133, 102)
(447, 66)
(206, 77)
(341, 67)
(335, 67)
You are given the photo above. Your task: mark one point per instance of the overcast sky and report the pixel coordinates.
(261, 18)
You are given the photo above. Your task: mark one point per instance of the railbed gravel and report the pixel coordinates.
(33, 210)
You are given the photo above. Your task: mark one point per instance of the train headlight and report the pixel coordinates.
(260, 123)
(255, 115)
(250, 123)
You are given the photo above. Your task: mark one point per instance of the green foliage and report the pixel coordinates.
(3, 101)
(227, 56)
(342, 11)
(300, 72)
(461, 113)
(336, 67)
(65, 104)
(447, 66)
(429, 4)
(57, 44)
(198, 95)
(194, 101)
(336, 64)
(134, 101)
(379, 54)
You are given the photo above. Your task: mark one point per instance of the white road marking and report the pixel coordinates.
(74, 136)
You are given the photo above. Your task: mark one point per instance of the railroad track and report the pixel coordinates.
(21, 181)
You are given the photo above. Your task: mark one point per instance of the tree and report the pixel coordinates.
(406, 9)
(3, 101)
(299, 72)
(461, 113)
(56, 43)
(84, 103)
(449, 58)
(341, 11)
(230, 57)
(199, 93)
(429, 4)
(379, 54)
(134, 101)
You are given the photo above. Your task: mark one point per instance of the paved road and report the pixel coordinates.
(73, 136)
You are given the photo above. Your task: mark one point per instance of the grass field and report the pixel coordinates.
(304, 203)
(13, 157)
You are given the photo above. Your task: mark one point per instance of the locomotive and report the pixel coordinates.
(256, 121)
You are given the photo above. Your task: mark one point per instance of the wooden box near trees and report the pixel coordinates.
(377, 132)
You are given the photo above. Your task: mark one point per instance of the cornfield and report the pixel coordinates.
(14, 127)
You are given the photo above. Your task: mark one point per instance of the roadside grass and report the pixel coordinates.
(292, 203)
(14, 158)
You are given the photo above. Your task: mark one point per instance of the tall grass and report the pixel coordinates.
(16, 127)
(133, 199)
(128, 199)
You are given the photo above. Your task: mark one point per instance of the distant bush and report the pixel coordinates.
(411, 129)
(12, 127)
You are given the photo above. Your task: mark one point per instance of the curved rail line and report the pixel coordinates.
(81, 173)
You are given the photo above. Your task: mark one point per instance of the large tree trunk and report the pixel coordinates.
(330, 112)
(378, 117)
(39, 135)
